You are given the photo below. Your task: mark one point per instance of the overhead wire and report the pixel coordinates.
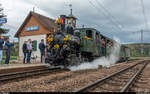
(144, 15)
(94, 7)
(98, 9)
(109, 14)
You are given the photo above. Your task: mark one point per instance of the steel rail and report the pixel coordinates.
(11, 76)
(133, 78)
(105, 78)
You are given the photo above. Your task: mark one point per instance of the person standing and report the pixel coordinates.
(24, 49)
(8, 44)
(29, 50)
(1, 48)
(103, 47)
(108, 47)
(98, 44)
(42, 49)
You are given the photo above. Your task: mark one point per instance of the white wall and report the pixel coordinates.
(35, 37)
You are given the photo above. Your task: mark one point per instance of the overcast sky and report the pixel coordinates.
(113, 18)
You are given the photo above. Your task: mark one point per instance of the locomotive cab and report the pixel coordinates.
(90, 43)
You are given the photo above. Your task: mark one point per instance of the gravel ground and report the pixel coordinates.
(60, 82)
(143, 83)
(116, 84)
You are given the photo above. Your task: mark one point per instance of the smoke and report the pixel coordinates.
(104, 61)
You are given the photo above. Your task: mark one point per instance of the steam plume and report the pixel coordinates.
(104, 61)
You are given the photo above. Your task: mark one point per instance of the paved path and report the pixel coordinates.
(18, 66)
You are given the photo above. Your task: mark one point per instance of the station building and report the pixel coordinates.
(35, 27)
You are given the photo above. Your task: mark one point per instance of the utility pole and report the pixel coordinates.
(142, 46)
(33, 9)
(83, 26)
(141, 40)
(146, 26)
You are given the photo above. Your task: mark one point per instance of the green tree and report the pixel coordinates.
(2, 30)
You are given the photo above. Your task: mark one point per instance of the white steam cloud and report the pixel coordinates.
(104, 61)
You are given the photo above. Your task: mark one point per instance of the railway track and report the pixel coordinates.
(120, 81)
(24, 74)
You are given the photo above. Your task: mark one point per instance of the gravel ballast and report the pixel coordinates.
(61, 82)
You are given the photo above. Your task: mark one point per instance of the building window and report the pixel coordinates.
(34, 45)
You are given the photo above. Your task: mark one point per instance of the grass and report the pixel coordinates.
(140, 58)
(11, 58)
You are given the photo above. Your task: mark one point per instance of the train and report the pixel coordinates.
(124, 53)
(69, 48)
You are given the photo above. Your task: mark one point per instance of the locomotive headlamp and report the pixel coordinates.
(64, 46)
(56, 46)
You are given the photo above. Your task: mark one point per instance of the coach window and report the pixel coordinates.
(89, 33)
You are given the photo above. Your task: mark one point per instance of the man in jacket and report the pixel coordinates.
(1, 48)
(42, 49)
(24, 49)
(8, 50)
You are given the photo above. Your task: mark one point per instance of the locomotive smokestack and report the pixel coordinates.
(83, 26)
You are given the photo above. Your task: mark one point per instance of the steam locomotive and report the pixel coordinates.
(70, 47)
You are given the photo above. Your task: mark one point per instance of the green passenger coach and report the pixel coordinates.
(93, 44)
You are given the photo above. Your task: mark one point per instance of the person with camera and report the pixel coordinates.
(1, 48)
(7, 47)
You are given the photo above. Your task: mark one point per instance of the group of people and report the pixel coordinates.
(27, 50)
(103, 46)
(108, 47)
(5, 45)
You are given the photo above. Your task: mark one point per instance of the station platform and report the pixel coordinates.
(19, 67)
